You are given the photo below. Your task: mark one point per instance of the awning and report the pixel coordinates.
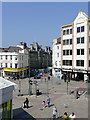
(14, 69)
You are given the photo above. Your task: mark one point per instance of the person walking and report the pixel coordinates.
(43, 104)
(65, 116)
(72, 116)
(26, 103)
(54, 112)
(48, 101)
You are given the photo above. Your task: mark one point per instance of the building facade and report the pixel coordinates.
(56, 57)
(75, 47)
(40, 58)
(14, 60)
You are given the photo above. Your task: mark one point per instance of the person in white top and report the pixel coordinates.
(72, 116)
(54, 112)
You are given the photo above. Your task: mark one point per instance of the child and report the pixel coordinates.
(43, 104)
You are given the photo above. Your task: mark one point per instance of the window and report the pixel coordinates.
(63, 62)
(70, 31)
(67, 52)
(6, 65)
(78, 51)
(82, 62)
(82, 51)
(1, 65)
(79, 62)
(63, 52)
(82, 29)
(70, 52)
(6, 57)
(10, 65)
(70, 41)
(22, 64)
(10, 57)
(89, 63)
(63, 42)
(89, 51)
(63, 32)
(1, 57)
(78, 29)
(89, 39)
(82, 39)
(57, 47)
(57, 54)
(15, 58)
(67, 62)
(78, 40)
(67, 43)
(16, 65)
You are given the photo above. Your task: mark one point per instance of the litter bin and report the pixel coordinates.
(37, 92)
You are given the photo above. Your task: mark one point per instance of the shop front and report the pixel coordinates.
(14, 72)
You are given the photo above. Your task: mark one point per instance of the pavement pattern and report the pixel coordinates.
(57, 91)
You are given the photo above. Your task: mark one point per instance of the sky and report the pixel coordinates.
(37, 21)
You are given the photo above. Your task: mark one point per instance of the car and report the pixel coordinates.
(37, 77)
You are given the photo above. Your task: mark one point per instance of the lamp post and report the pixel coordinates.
(29, 91)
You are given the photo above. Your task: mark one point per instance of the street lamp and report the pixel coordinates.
(29, 81)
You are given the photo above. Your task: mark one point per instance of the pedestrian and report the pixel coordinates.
(26, 103)
(54, 112)
(72, 116)
(65, 116)
(48, 101)
(43, 104)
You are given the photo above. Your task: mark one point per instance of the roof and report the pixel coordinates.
(10, 49)
(6, 83)
(74, 20)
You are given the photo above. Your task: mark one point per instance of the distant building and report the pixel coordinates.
(75, 47)
(56, 57)
(6, 96)
(14, 60)
(40, 58)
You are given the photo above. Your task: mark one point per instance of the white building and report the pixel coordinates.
(14, 60)
(6, 96)
(56, 57)
(75, 47)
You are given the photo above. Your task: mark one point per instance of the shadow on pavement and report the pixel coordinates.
(20, 114)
